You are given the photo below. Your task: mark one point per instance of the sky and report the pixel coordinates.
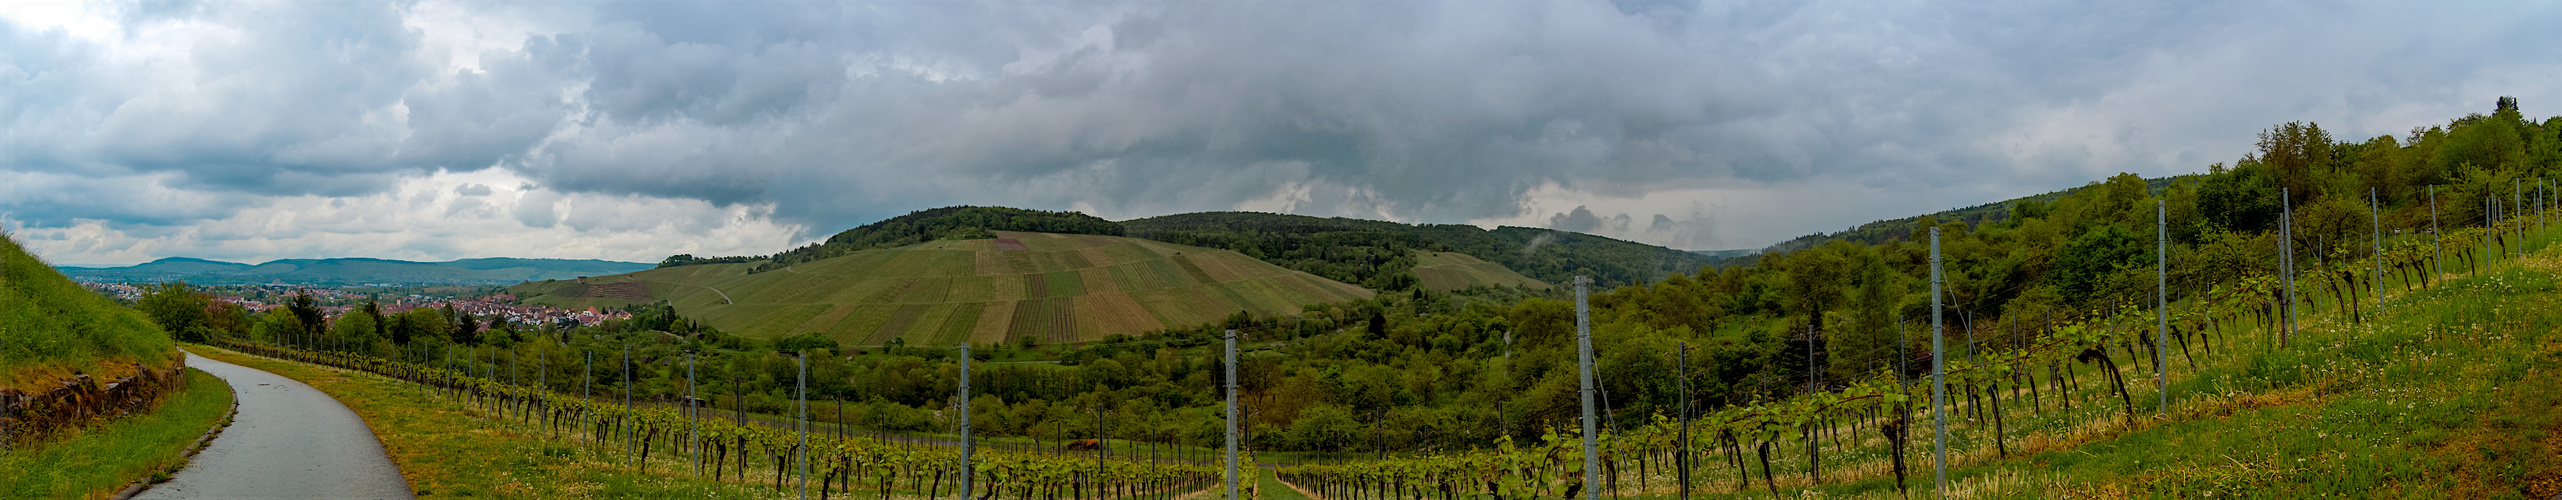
(437, 129)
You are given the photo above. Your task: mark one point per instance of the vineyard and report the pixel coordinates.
(2022, 391)
(665, 440)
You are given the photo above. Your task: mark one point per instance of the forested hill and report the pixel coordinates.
(947, 223)
(1379, 255)
(1890, 230)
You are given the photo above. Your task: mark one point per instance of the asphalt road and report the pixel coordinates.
(289, 441)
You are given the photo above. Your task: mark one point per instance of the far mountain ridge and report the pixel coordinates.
(354, 271)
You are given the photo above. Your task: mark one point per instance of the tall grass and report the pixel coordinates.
(50, 324)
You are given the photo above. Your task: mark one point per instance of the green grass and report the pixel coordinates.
(96, 461)
(445, 449)
(1050, 281)
(51, 326)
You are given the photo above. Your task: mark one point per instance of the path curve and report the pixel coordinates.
(289, 441)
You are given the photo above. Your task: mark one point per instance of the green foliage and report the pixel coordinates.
(1379, 254)
(687, 259)
(179, 310)
(47, 320)
(805, 342)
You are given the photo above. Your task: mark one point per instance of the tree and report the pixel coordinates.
(464, 329)
(1816, 278)
(356, 331)
(306, 313)
(418, 325)
(2089, 259)
(1869, 343)
(177, 309)
(225, 318)
(1324, 427)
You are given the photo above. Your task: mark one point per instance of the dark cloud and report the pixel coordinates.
(839, 114)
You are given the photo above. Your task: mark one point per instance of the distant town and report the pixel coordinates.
(338, 301)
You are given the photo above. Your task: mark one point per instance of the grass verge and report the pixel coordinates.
(445, 449)
(98, 460)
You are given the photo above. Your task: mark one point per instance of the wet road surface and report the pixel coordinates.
(289, 441)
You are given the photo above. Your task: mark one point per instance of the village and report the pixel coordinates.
(338, 301)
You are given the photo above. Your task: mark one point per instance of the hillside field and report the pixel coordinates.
(1444, 271)
(1047, 287)
(51, 328)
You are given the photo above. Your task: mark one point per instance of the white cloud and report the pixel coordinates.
(429, 218)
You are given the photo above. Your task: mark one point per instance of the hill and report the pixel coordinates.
(1891, 230)
(1379, 254)
(353, 271)
(1444, 271)
(947, 223)
(1045, 286)
(50, 326)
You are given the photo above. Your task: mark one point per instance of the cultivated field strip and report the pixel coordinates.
(1055, 288)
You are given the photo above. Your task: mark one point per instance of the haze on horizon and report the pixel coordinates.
(436, 130)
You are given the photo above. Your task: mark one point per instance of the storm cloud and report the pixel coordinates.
(753, 126)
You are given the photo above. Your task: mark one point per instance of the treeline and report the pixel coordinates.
(687, 259)
(1379, 255)
(947, 223)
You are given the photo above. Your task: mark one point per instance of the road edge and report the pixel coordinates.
(192, 449)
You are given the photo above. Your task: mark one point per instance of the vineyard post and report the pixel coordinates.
(802, 396)
(586, 387)
(2161, 304)
(543, 377)
(693, 415)
(2286, 246)
(1101, 446)
(2436, 266)
(1681, 459)
(1503, 413)
(1583, 361)
(620, 420)
(1232, 412)
(966, 444)
(513, 375)
(1938, 371)
(2375, 217)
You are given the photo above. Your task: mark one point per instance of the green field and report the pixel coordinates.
(1057, 288)
(1445, 271)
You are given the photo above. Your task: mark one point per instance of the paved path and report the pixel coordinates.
(289, 441)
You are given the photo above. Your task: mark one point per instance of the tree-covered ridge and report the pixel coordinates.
(1378, 254)
(947, 223)
(1883, 231)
